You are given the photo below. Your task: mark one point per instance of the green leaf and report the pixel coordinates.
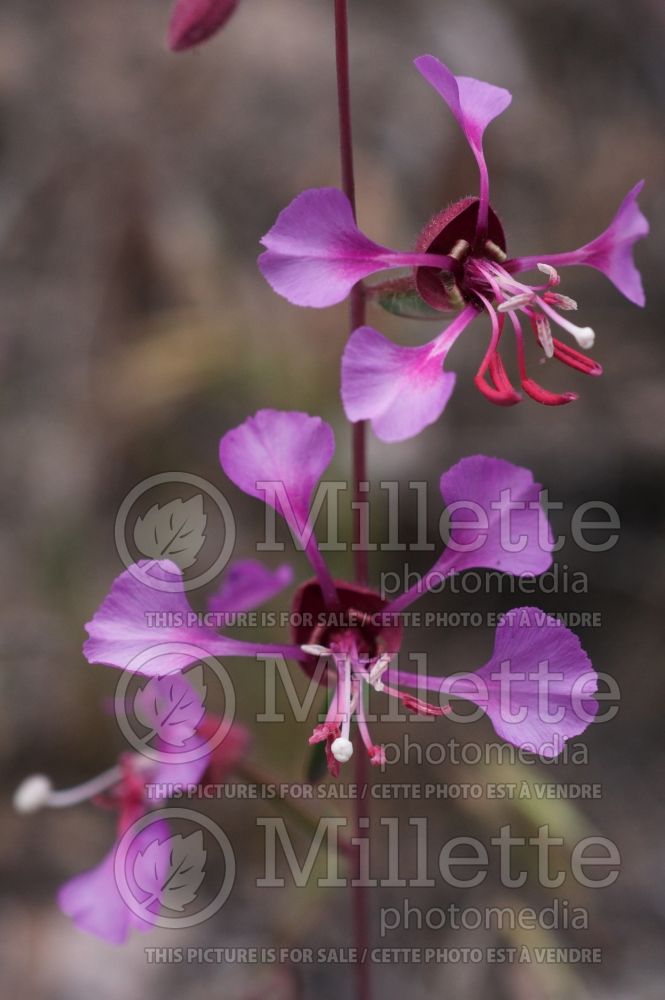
(404, 302)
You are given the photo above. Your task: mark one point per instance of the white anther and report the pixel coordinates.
(378, 669)
(32, 794)
(561, 301)
(551, 273)
(515, 302)
(342, 749)
(315, 650)
(544, 334)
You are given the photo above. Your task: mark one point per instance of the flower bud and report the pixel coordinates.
(195, 21)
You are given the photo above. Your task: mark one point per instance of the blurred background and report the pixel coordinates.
(136, 329)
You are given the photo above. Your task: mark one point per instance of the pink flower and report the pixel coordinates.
(94, 900)
(496, 522)
(195, 21)
(315, 254)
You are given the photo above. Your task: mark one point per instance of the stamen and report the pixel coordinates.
(551, 272)
(495, 251)
(345, 706)
(452, 291)
(560, 301)
(516, 302)
(362, 725)
(378, 669)
(584, 335)
(544, 333)
(498, 277)
(460, 250)
(531, 387)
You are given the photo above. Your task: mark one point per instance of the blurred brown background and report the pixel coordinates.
(135, 329)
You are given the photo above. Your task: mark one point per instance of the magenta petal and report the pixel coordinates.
(93, 900)
(279, 458)
(400, 389)
(153, 632)
(248, 584)
(195, 21)
(315, 252)
(146, 867)
(515, 540)
(611, 253)
(180, 771)
(474, 103)
(94, 904)
(496, 522)
(537, 688)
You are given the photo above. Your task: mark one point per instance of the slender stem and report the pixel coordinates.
(344, 99)
(357, 304)
(359, 444)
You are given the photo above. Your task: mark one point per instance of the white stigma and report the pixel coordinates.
(342, 750)
(32, 794)
(584, 336)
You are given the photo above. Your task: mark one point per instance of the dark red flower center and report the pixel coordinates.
(358, 619)
(453, 232)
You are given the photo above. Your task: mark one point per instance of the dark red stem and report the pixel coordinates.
(357, 318)
(357, 307)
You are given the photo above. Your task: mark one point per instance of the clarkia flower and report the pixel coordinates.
(315, 253)
(132, 789)
(93, 899)
(195, 21)
(348, 635)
